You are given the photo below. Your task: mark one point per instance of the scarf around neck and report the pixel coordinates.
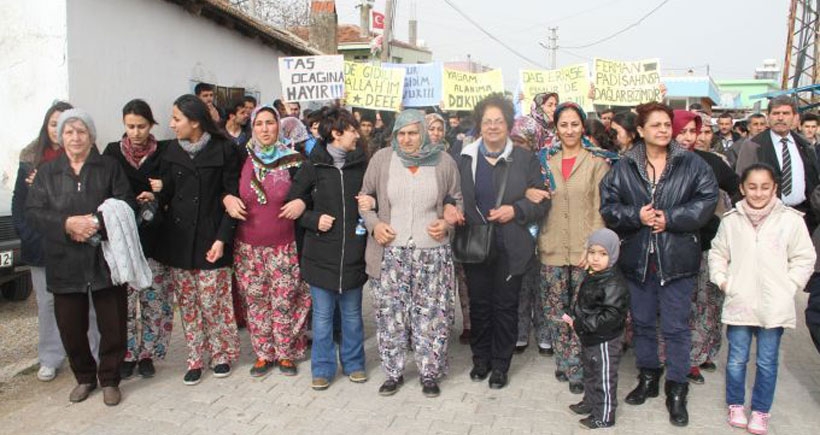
(546, 154)
(428, 153)
(193, 148)
(136, 155)
(339, 155)
(758, 216)
(266, 159)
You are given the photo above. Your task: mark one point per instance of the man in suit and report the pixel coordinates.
(788, 153)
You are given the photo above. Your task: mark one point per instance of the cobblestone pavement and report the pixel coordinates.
(533, 402)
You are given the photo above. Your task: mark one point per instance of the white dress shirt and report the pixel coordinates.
(798, 194)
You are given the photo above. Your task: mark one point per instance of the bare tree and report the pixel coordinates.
(279, 13)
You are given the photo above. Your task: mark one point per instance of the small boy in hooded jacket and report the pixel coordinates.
(599, 318)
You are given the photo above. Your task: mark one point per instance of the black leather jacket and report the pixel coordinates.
(687, 193)
(57, 194)
(599, 312)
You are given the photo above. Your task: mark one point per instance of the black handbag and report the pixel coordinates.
(472, 244)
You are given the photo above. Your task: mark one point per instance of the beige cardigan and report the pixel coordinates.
(575, 210)
(762, 270)
(375, 184)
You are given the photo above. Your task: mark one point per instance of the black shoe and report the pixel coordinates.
(576, 388)
(695, 377)
(648, 386)
(145, 368)
(390, 386)
(479, 372)
(561, 376)
(676, 393)
(192, 377)
(498, 380)
(222, 370)
(520, 349)
(429, 388)
(546, 351)
(127, 369)
(593, 423)
(580, 408)
(708, 366)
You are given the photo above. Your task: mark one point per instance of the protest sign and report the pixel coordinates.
(571, 83)
(312, 78)
(627, 83)
(373, 86)
(462, 90)
(422, 84)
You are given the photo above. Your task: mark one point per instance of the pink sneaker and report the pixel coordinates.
(737, 416)
(759, 424)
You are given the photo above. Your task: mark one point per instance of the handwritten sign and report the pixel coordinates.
(422, 84)
(463, 90)
(571, 83)
(312, 78)
(373, 86)
(627, 83)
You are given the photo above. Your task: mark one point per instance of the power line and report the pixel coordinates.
(635, 24)
(491, 36)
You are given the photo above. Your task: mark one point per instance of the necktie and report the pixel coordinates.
(787, 168)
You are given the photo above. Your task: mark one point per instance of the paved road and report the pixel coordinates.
(534, 402)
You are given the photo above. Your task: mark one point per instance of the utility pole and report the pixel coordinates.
(553, 46)
(387, 36)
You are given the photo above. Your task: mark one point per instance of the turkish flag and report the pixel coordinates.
(378, 20)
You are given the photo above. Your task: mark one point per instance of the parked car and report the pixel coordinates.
(15, 275)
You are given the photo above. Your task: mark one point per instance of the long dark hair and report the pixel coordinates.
(140, 108)
(194, 109)
(43, 141)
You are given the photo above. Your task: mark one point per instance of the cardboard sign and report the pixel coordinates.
(463, 90)
(627, 83)
(571, 83)
(312, 78)
(373, 86)
(422, 84)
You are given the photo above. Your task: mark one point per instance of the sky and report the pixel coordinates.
(732, 37)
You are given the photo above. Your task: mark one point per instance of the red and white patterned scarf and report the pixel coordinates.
(135, 155)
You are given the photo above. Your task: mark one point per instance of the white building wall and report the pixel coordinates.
(151, 49)
(33, 73)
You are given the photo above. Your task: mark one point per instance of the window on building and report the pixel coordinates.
(397, 59)
(224, 95)
(363, 58)
(677, 103)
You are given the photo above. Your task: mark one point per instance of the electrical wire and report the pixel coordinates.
(491, 36)
(635, 24)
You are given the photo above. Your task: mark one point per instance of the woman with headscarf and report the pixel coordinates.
(409, 259)
(542, 110)
(572, 169)
(140, 155)
(45, 148)
(265, 260)
(200, 168)
(293, 134)
(63, 205)
(707, 299)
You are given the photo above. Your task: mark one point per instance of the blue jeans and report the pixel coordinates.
(768, 345)
(323, 352)
(674, 302)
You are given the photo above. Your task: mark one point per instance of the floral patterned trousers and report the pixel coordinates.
(707, 307)
(205, 305)
(414, 305)
(463, 296)
(559, 285)
(155, 305)
(278, 301)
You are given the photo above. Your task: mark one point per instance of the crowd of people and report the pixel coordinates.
(639, 228)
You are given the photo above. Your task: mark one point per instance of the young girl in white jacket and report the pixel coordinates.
(762, 254)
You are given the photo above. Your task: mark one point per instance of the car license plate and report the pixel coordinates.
(6, 258)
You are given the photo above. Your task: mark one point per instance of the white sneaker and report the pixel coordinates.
(46, 374)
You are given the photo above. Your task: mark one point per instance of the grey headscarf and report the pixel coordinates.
(72, 115)
(608, 240)
(428, 154)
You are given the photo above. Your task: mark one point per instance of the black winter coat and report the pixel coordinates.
(524, 172)
(333, 260)
(599, 312)
(192, 193)
(138, 178)
(31, 243)
(57, 194)
(687, 193)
